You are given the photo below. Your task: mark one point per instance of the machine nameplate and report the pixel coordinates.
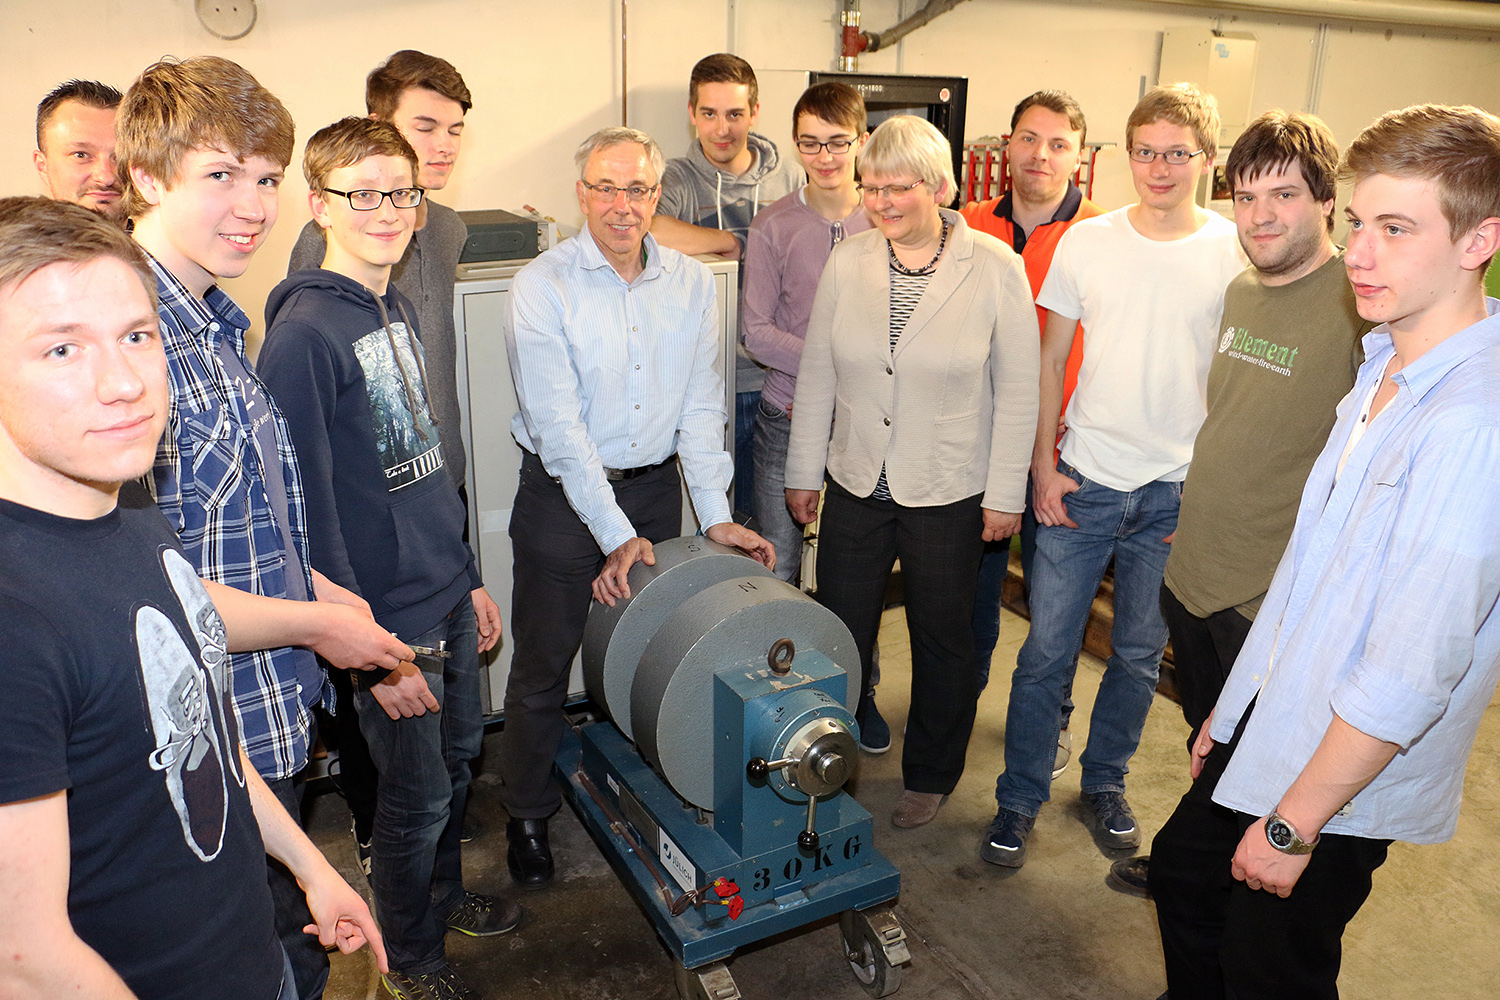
(684, 872)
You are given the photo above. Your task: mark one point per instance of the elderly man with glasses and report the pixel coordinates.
(613, 345)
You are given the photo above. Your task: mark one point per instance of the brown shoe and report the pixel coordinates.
(915, 808)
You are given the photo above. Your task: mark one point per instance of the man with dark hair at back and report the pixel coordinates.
(1047, 130)
(75, 146)
(203, 149)
(1287, 353)
(708, 198)
(1348, 718)
(134, 826)
(426, 99)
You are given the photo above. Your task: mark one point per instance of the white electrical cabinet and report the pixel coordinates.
(487, 402)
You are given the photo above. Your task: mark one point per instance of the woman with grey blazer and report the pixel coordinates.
(916, 406)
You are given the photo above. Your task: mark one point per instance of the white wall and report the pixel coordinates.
(546, 74)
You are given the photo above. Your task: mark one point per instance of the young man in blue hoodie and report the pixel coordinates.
(386, 521)
(708, 198)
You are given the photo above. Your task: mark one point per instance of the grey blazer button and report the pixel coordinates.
(890, 371)
(888, 421)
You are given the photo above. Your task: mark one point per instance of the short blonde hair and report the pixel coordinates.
(205, 102)
(1457, 148)
(1180, 104)
(347, 142)
(906, 144)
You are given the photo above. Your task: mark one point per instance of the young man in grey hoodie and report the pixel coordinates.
(708, 198)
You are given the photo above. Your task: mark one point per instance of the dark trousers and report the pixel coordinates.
(1203, 653)
(859, 539)
(416, 864)
(745, 405)
(305, 956)
(1222, 939)
(556, 560)
(356, 780)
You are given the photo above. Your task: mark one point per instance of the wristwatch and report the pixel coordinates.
(1283, 836)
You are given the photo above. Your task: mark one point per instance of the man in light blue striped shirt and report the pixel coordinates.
(1350, 713)
(613, 345)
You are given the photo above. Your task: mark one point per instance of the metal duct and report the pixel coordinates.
(1467, 16)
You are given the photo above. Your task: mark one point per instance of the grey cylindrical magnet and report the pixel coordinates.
(615, 637)
(728, 625)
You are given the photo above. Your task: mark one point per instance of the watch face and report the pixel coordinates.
(1280, 834)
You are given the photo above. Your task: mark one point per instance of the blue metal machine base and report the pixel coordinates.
(782, 889)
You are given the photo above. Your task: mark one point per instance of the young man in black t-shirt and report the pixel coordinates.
(135, 830)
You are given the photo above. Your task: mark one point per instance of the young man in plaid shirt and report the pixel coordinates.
(203, 148)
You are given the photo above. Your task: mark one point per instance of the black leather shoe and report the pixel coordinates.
(529, 857)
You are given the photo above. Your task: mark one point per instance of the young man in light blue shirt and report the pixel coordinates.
(1348, 718)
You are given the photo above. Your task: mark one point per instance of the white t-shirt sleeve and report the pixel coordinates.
(1060, 289)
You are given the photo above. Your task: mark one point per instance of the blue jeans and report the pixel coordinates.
(423, 762)
(1070, 564)
(745, 404)
(773, 431)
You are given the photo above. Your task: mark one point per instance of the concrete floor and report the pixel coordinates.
(1051, 930)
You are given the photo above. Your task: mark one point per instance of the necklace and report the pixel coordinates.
(927, 268)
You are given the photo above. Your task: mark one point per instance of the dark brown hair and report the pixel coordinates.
(407, 69)
(89, 93)
(1277, 140)
(1058, 101)
(835, 103)
(722, 67)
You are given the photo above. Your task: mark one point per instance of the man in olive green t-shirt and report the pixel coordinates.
(1288, 351)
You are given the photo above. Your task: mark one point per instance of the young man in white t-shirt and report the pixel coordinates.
(1147, 281)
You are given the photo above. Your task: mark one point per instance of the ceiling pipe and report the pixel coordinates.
(855, 41)
(850, 45)
(1466, 16)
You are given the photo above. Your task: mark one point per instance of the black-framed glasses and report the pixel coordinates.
(1176, 157)
(367, 200)
(605, 193)
(889, 190)
(835, 146)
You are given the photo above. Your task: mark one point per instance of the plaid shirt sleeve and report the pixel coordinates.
(208, 482)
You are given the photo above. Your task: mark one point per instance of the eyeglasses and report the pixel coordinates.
(889, 190)
(368, 201)
(812, 146)
(1176, 157)
(637, 193)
